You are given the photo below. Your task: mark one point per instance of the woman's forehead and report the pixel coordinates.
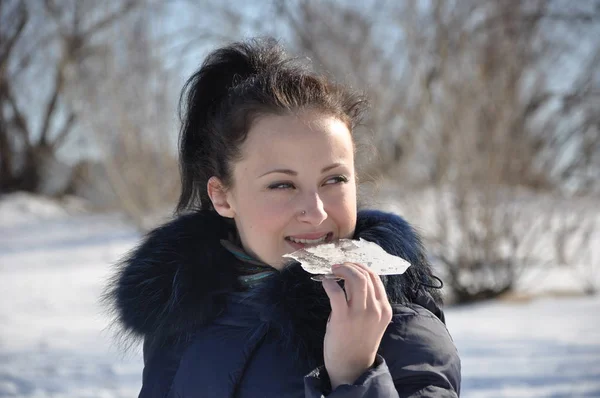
(306, 140)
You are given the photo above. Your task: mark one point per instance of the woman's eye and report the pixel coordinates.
(336, 180)
(281, 185)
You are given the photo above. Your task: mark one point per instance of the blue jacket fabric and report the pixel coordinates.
(206, 335)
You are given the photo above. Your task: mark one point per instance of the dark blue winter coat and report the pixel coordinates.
(205, 335)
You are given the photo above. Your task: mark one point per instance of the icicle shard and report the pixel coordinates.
(318, 260)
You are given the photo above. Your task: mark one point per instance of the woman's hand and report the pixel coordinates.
(358, 321)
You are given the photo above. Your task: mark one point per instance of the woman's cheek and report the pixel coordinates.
(272, 205)
(342, 198)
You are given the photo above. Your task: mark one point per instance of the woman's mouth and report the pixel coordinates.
(301, 241)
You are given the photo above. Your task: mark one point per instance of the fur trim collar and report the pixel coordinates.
(180, 277)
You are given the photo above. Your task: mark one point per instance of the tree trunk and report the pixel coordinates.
(6, 160)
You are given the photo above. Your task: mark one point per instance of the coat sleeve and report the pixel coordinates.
(418, 359)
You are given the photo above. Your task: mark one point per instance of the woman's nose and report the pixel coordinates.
(313, 209)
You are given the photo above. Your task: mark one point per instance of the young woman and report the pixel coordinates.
(267, 163)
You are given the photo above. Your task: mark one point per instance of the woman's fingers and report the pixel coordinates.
(336, 295)
(371, 299)
(364, 292)
(378, 287)
(379, 299)
(356, 283)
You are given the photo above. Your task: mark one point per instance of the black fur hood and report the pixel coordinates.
(180, 277)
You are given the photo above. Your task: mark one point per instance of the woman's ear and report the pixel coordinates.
(219, 197)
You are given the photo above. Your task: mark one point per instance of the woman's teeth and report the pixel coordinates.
(309, 241)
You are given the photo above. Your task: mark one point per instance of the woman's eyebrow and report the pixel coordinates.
(282, 171)
(295, 173)
(331, 167)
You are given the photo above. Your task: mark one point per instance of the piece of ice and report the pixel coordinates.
(319, 259)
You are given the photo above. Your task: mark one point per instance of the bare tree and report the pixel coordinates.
(493, 129)
(136, 131)
(42, 44)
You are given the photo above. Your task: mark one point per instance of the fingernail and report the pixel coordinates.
(335, 266)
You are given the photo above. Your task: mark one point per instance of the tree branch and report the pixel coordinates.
(9, 42)
(110, 18)
(307, 42)
(51, 107)
(64, 132)
(6, 154)
(19, 120)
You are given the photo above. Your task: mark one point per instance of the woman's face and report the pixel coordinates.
(295, 185)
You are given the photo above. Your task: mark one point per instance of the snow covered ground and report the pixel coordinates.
(54, 342)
